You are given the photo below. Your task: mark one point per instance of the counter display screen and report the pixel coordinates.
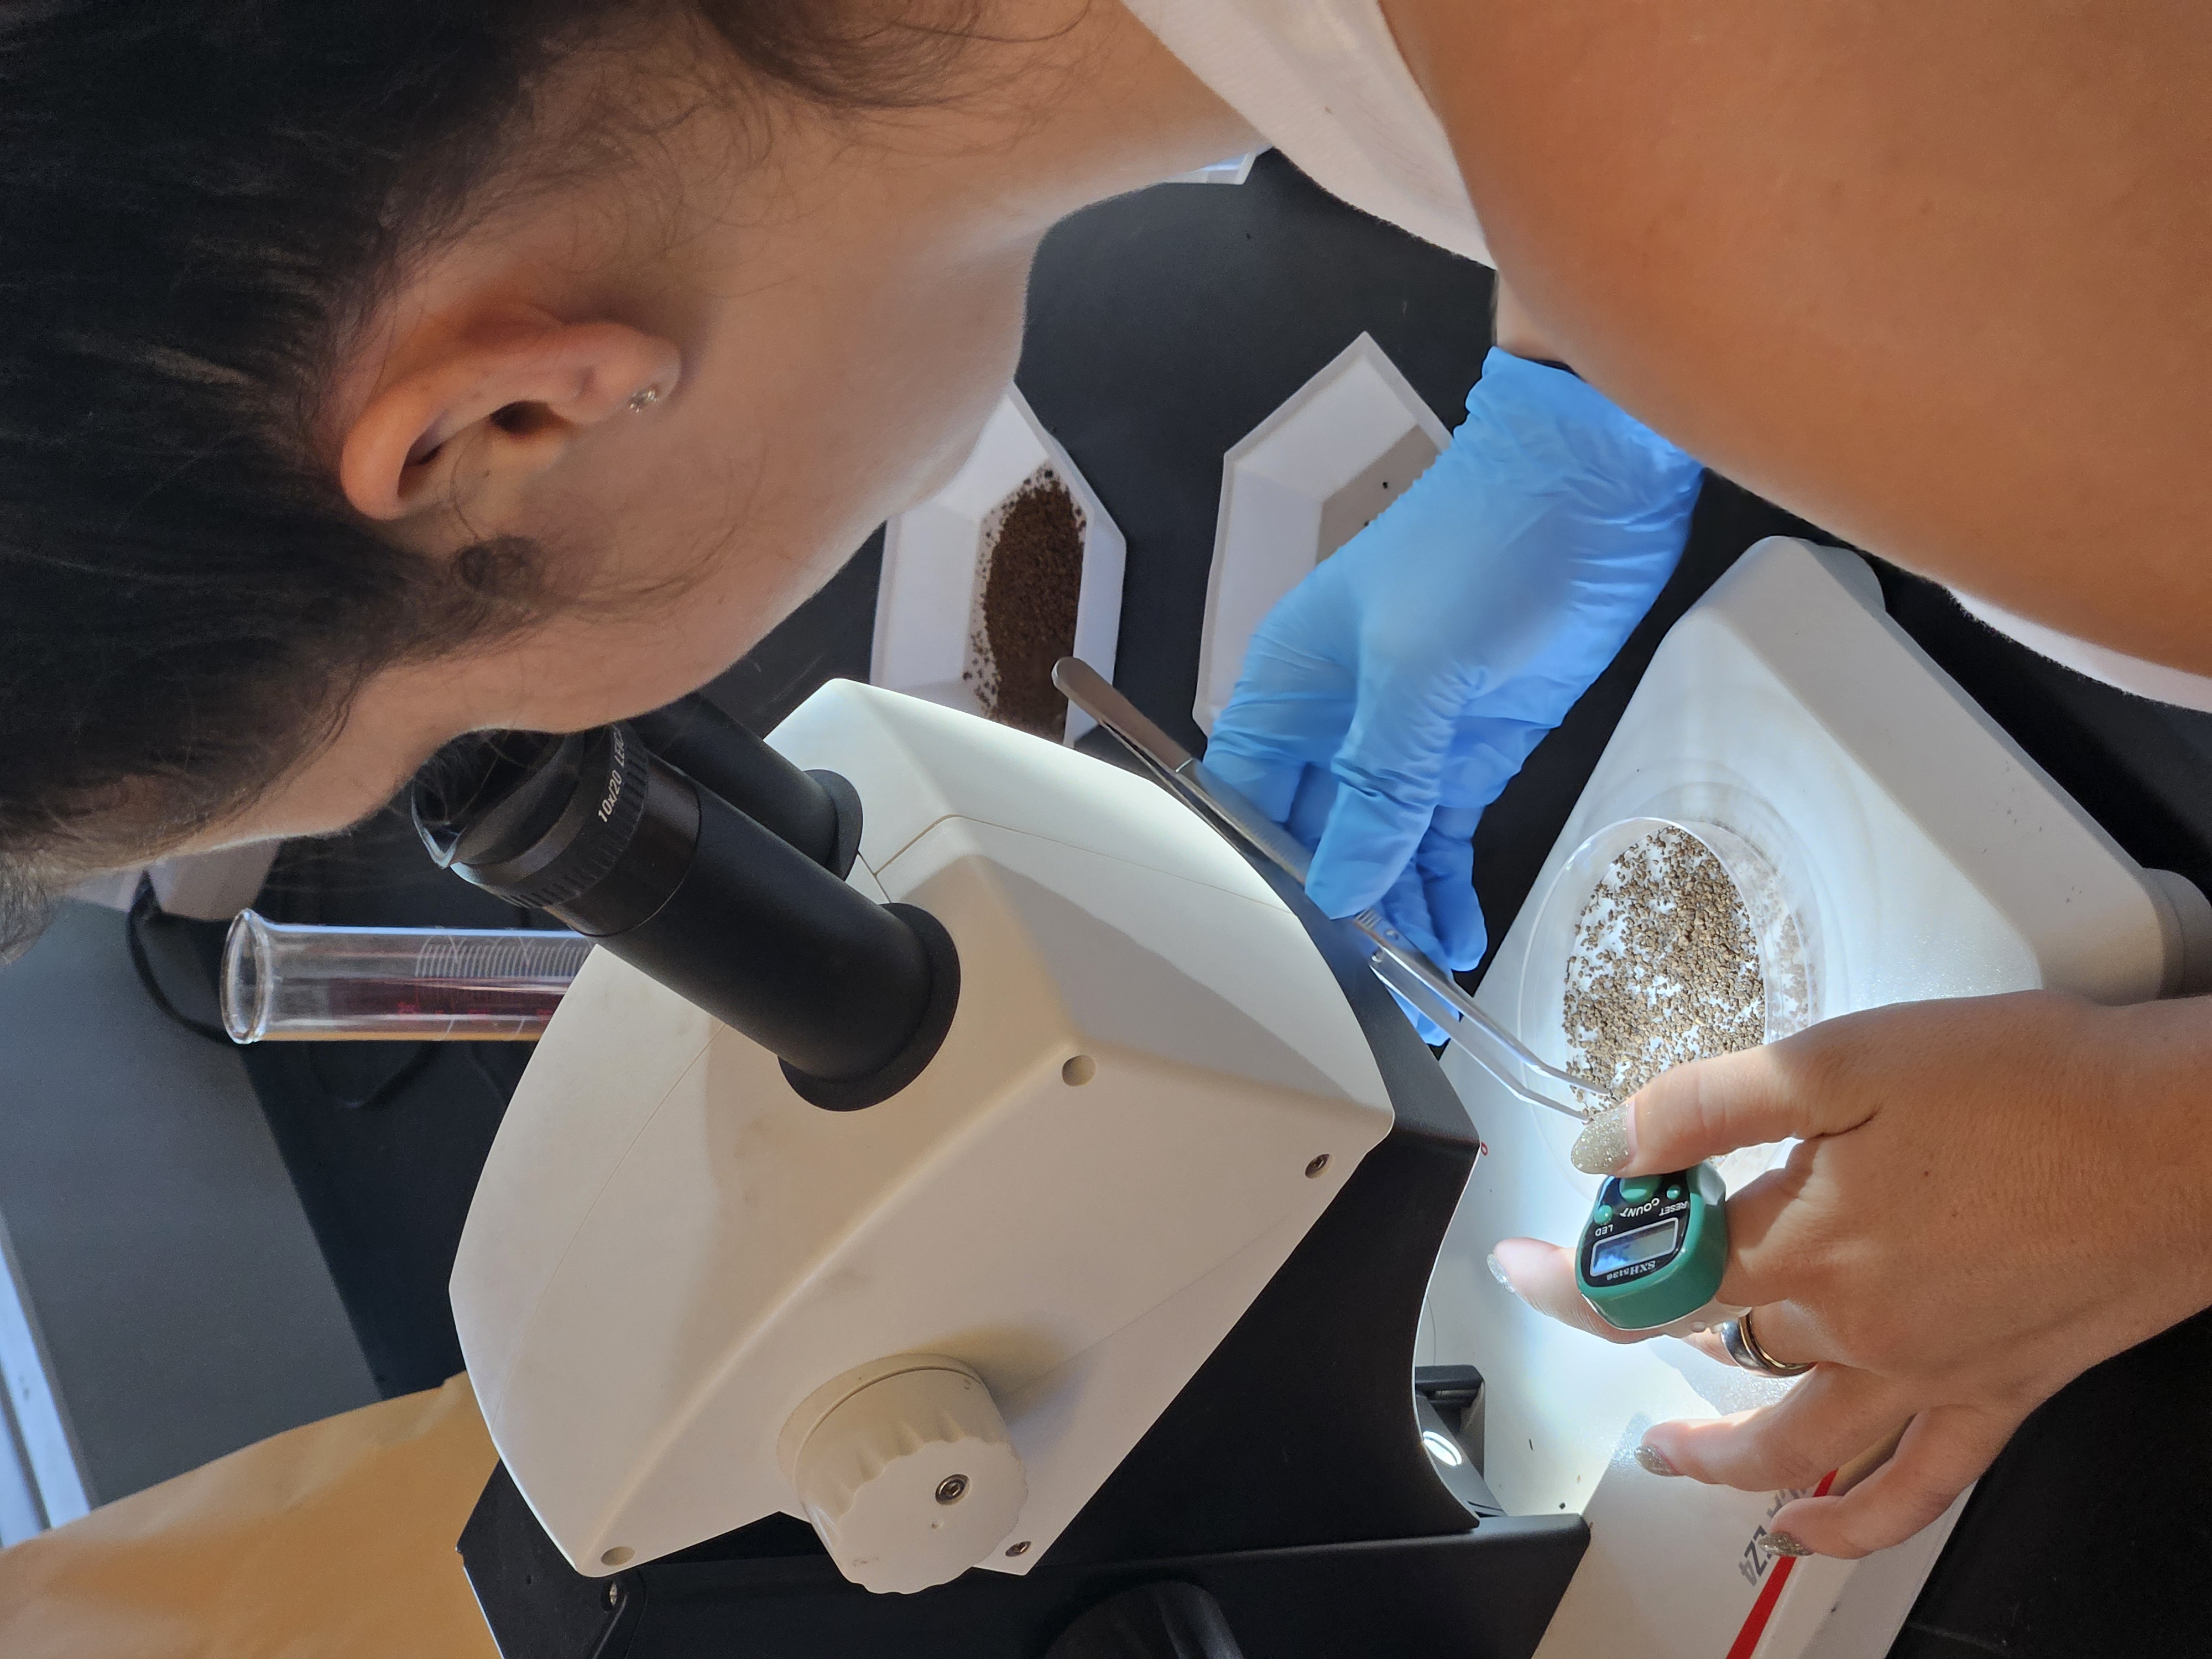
(1631, 1249)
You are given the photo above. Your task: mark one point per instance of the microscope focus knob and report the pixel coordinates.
(909, 1479)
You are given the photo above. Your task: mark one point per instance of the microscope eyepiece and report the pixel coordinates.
(476, 785)
(854, 997)
(590, 826)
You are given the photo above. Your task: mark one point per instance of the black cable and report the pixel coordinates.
(145, 907)
(503, 1092)
(412, 1067)
(416, 1064)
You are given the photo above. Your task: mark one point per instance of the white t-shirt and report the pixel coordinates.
(1324, 80)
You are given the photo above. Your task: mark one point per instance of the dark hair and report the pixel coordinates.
(198, 201)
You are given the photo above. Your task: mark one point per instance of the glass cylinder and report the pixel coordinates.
(286, 982)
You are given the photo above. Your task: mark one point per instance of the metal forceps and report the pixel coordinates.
(1393, 960)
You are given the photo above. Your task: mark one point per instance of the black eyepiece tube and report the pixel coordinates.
(817, 813)
(854, 996)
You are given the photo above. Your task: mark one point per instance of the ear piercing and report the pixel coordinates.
(640, 402)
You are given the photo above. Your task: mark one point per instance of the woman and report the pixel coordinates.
(376, 374)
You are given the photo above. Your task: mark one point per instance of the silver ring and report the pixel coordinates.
(1742, 1345)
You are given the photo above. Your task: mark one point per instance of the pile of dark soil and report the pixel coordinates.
(1024, 619)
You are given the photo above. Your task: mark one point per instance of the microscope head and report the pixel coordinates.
(698, 1288)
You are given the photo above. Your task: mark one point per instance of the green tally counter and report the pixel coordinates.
(1655, 1247)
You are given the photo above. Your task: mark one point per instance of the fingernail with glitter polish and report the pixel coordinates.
(1605, 1143)
(1655, 1462)
(1497, 1270)
(1785, 1543)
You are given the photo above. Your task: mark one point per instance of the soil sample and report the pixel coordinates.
(1665, 967)
(1023, 619)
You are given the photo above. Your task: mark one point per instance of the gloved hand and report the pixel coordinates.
(1390, 695)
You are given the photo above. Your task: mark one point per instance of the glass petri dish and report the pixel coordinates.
(1791, 1000)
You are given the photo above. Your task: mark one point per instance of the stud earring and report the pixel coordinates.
(644, 400)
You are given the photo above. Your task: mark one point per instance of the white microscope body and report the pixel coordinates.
(690, 1299)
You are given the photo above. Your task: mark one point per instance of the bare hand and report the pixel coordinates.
(1992, 1194)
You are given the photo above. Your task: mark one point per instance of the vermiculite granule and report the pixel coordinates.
(1665, 967)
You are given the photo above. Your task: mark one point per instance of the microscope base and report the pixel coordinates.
(769, 1592)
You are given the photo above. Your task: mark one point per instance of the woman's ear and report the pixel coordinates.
(469, 424)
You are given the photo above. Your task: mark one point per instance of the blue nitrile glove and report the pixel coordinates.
(1390, 695)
